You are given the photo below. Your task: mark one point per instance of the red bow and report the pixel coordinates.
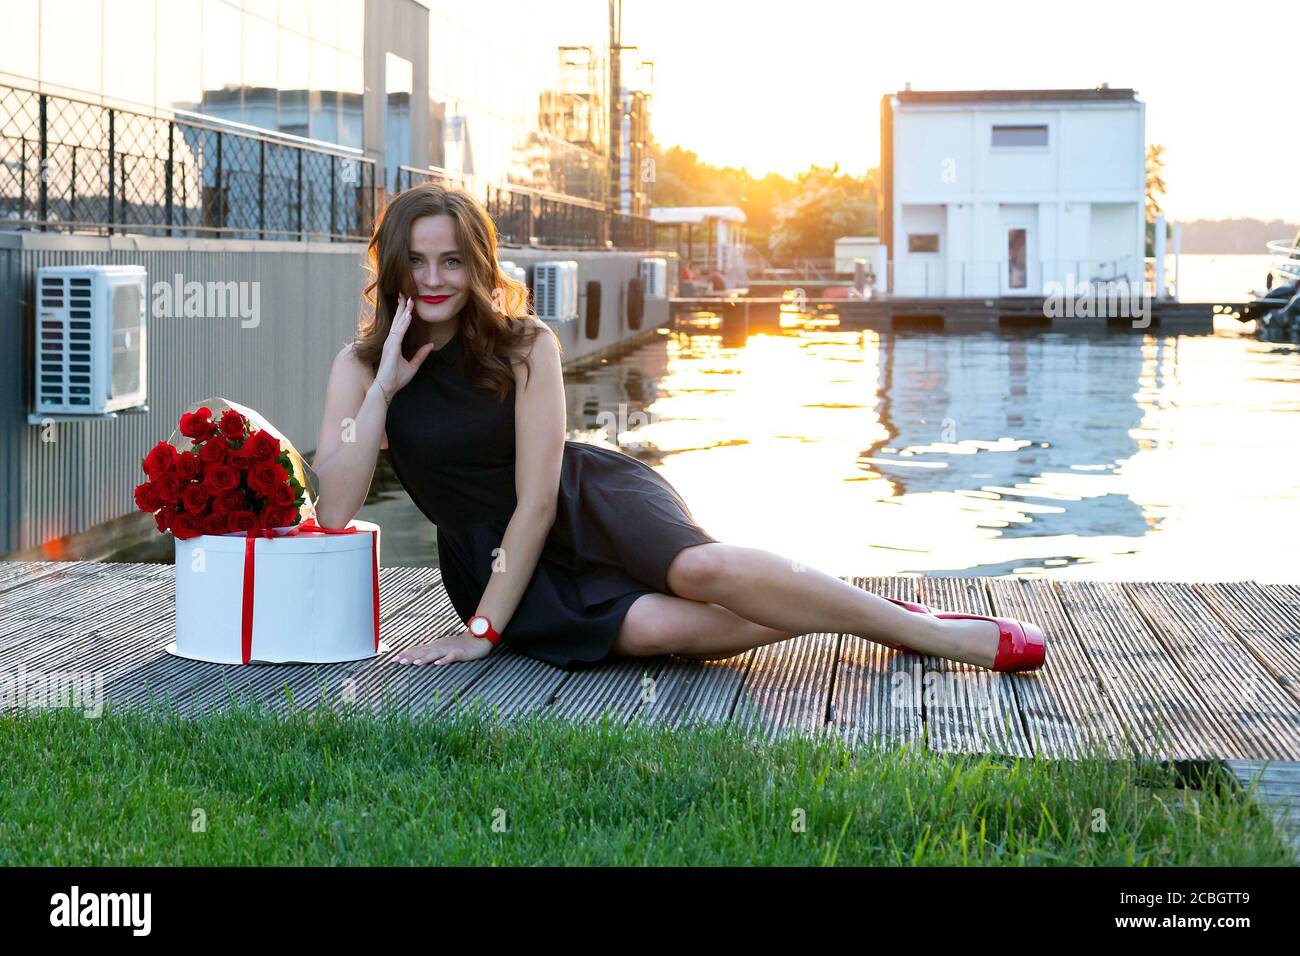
(307, 527)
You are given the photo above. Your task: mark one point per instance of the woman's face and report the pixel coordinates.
(438, 269)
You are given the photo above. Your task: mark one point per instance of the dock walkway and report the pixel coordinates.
(959, 314)
(1176, 672)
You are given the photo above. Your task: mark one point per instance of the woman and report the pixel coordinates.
(568, 552)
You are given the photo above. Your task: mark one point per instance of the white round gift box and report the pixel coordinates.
(314, 597)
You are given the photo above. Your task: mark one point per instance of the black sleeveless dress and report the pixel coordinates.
(618, 522)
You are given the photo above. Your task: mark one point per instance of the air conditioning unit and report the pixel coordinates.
(555, 290)
(514, 271)
(654, 276)
(90, 339)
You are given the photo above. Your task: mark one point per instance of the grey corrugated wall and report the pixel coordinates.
(310, 299)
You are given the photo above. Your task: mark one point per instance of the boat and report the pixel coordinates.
(1277, 308)
(1285, 267)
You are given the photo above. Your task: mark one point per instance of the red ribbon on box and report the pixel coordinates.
(307, 527)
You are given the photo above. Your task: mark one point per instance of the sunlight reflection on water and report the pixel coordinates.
(1122, 456)
(1119, 457)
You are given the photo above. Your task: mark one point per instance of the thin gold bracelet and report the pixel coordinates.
(387, 401)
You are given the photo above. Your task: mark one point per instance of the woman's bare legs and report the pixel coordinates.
(787, 598)
(664, 624)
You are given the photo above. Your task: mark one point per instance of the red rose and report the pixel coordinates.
(241, 521)
(160, 461)
(228, 501)
(273, 516)
(185, 526)
(215, 524)
(146, 497)
(169, 488)
(187, 465)
(194, 498)
(220, 478)
(213, 451)
(281, 495)
(265, 476)
(263, 445)
(163, 518)
(241, 458)
(197, 425)
(233, 425)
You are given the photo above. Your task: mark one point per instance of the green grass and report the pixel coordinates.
(321, 787)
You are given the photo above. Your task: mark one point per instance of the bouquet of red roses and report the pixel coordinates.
(234, 474)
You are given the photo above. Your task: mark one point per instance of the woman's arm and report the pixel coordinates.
(539, 453)
(356, 413)
(351, 430)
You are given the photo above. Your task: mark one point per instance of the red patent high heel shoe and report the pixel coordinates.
(1021, 645)
(918, 608)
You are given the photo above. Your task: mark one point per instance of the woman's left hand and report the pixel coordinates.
(446, 650)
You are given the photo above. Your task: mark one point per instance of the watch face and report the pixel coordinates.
(478, 625)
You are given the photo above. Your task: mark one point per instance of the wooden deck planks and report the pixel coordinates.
(1215, 666)
(81, 617)
(117, 623)
(17, 574)
(787, 687)
(876, 700)
(688, 692)
(1266, 620)
(377, 684)
(1063, 705)
(617, 689)
(119, 643)
(1161, 713)
(1285, 597)
(65, 596)
(514, 685)
(968, 709)
(1234, 689)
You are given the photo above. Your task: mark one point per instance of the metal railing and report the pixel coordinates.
(996, 277)
(565, 222)
(533, 217)
(75, 166)
(408, 176)
(1285, 262)
(631, 232)
(940, 277)
(805, 267)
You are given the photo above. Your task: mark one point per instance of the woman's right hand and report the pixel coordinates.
(394, 369)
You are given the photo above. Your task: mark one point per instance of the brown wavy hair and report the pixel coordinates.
(494, 322)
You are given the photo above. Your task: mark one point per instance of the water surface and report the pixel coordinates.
(1121, 456)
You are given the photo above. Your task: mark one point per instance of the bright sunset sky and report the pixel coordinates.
(783, 84)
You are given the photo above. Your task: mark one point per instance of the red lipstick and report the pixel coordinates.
(434, 299)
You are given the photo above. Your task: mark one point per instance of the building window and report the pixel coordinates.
(922, 242)
(1020, 135)
(1017, 258)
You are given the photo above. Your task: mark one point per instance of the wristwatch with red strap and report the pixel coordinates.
(480, 626)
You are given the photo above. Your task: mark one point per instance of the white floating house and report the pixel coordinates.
(1006, 192)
